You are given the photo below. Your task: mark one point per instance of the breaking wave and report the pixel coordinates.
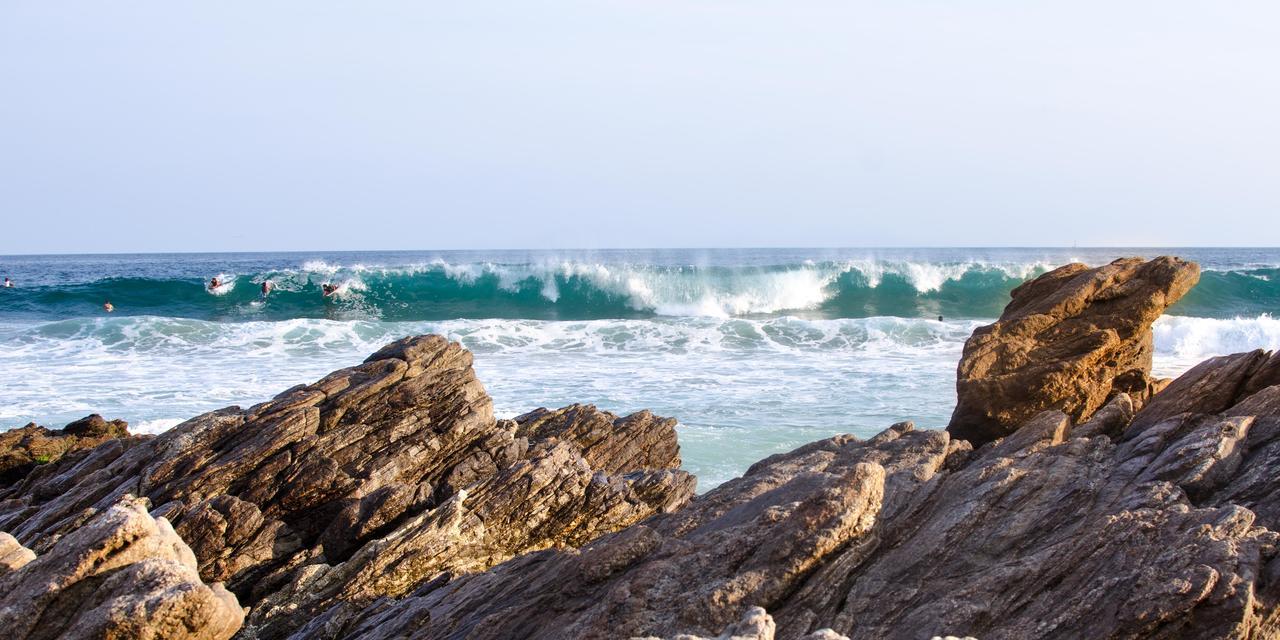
(572, 290)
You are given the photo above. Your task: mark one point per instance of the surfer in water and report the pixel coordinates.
(108, 307)
(267, 286)
(8, 283)
(214, 283)
(328, 289)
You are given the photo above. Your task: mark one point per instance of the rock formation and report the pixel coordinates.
(912, 534)
(21, 450)
(1069, 340)
(122, 574)
(365, 484)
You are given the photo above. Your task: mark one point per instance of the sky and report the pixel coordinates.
(273, 125)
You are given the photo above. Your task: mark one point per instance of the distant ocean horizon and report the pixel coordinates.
(755, 351)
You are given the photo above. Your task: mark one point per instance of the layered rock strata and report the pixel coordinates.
(1069, 340)
(912, 534)
(365, 484)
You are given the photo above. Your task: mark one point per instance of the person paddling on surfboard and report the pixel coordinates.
(267, 286)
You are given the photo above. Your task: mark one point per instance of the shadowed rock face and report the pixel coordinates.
(365, 484)
(122, 574)
(1069, 341)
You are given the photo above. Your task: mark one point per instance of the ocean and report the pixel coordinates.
(754, 351)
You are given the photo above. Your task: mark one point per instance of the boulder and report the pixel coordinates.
(122, 574)
(1069, 340)
(13, 556)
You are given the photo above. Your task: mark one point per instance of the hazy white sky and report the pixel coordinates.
(237, 125)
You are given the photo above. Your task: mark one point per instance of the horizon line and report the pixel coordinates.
(610, 249)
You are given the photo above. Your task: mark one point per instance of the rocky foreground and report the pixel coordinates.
(1072, 496)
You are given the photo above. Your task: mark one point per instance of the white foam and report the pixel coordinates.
(677, 290)
(226, 283)
(158, 425)
(762, 384)
(1181, 342)
(320, 266)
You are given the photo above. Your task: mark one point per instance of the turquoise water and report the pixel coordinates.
(392, 286)
(754, 351)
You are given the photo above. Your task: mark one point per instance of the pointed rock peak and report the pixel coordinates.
(1070, 340)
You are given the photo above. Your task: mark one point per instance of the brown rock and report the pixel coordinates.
(607, 442)
(1069, 340)
(365, 484)
(13, 556)
(24, 449)
(1110, 420)
(123, 574)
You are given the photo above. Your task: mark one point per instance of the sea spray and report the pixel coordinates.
(571, 290)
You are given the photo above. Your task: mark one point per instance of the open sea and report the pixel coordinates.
(755, 351)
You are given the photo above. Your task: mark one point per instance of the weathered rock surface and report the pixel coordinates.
(13, 556)
(123, 574)
(909, 534)
(21, 450)
(1213, 386)
(365, 484)
(1069, 340)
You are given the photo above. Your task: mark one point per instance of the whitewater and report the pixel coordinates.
(754, 351)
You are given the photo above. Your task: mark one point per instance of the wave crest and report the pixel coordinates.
(578, 290)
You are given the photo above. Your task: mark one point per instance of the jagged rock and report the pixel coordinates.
(24, 449)
(907, 536)
(605, 440)
(1069, 340)
(123, 574)
(365, 484)
(1209, 387)
(1225, 412)
(750, 542)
